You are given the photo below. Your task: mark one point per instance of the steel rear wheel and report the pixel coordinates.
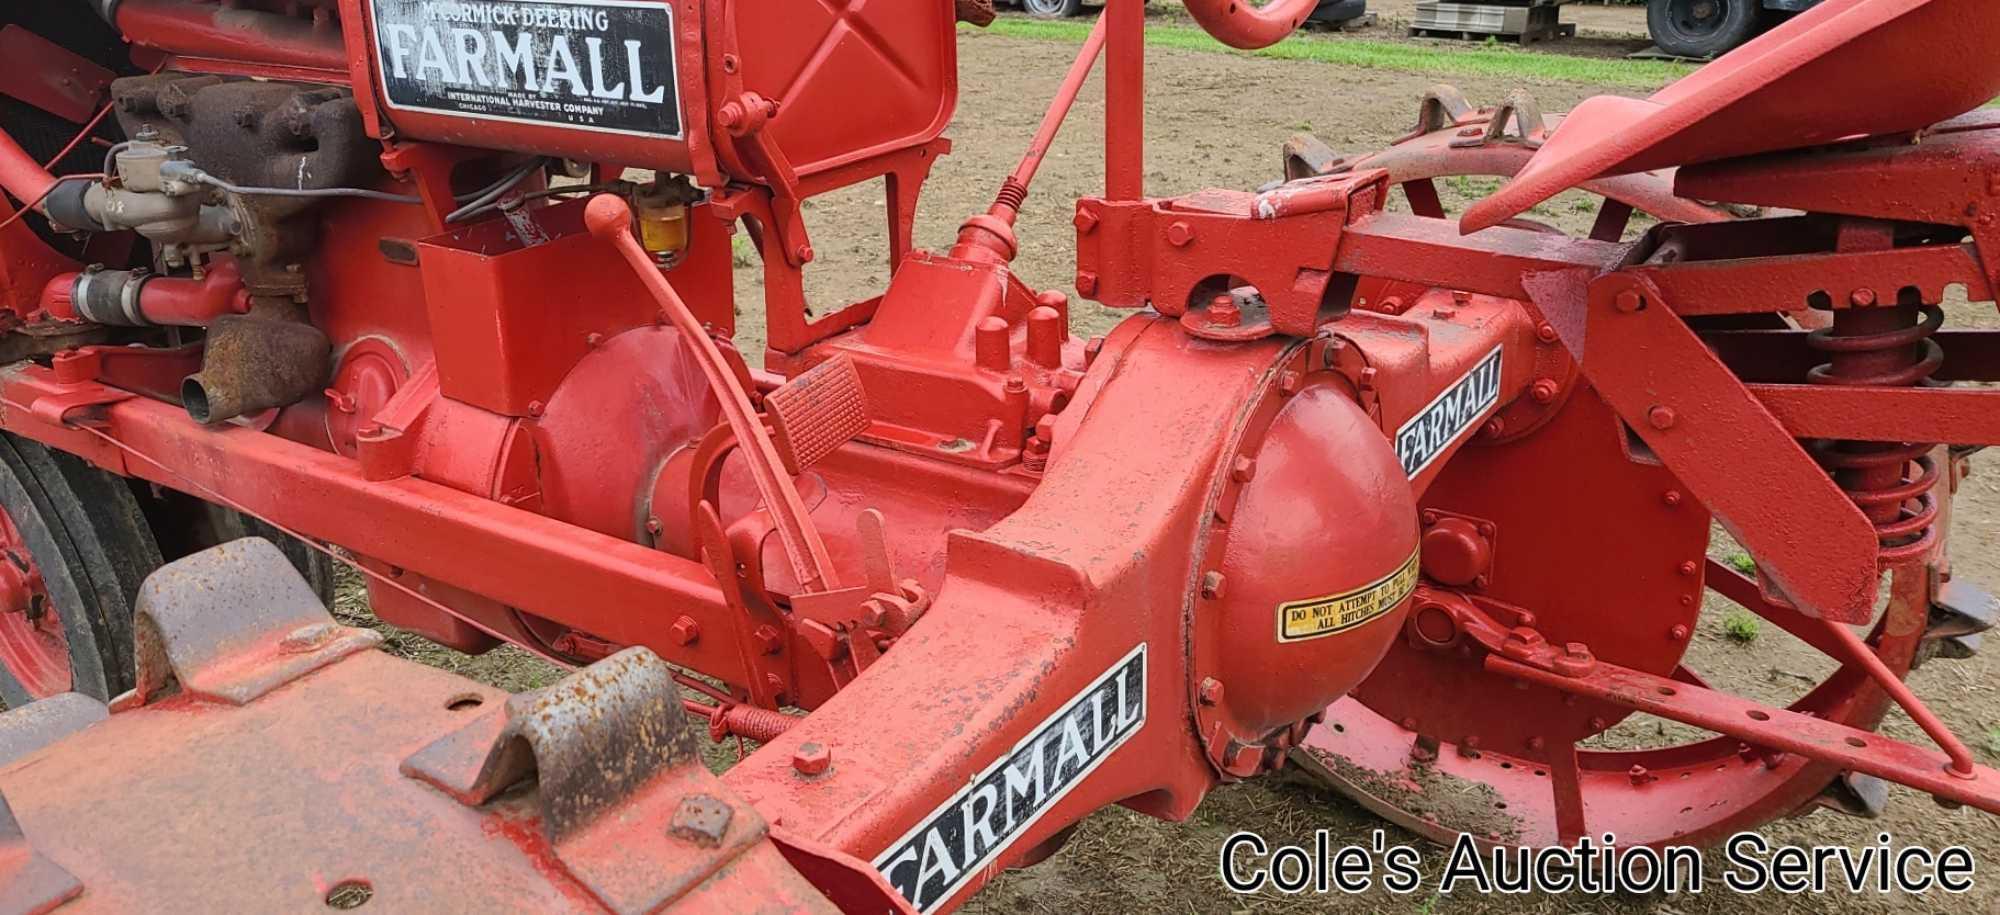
(74, 548)
(1408, 745)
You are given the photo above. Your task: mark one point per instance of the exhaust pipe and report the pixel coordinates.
(252, 362)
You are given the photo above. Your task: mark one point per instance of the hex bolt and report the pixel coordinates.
(1678, 634)
(1545, 332)
(1085, 221)
(1861, 298)
(535, 407)
(1661, 418)
(1671, 498)
(812, 758)
(1688, 568)
(1629, 301)
(1180, 234)
(1544, 391)
(1086, 283)
(1224, 312)
(1243, 469)
(1211, 691)
(686, 631)
(767, 639)
(1213, 584)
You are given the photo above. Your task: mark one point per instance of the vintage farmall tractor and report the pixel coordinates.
(1420, 505)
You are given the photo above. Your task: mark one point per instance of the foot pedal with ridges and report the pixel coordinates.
(820, 410)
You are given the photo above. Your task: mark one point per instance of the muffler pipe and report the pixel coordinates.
(254, 362)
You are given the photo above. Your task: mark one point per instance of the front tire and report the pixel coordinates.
(75, 549)
(1703, 28)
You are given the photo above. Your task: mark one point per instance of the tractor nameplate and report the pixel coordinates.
(964, 834)
(1429, 433)
(601, 65)
(1300, 620)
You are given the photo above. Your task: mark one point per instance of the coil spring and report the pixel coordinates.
(749, 722)
(1876, 475)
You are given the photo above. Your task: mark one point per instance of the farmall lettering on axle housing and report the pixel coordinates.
(445, 291)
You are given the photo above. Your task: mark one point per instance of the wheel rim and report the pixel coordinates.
(33, 644)
(1049, 7)
(1699, 17)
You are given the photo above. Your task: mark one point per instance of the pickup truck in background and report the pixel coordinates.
(1702, 29)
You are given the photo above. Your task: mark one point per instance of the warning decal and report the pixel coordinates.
(1299, 620)
(603, 65)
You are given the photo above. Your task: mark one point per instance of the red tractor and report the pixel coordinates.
(442, 289)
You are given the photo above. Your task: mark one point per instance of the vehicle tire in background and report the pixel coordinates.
(1703, 28)
(1330, 12)
(1052, 9)
(75, 548)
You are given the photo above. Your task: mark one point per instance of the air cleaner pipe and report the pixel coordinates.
(134, 298)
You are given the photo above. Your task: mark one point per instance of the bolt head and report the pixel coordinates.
(1086, 283)
(1180, 234)
(767, 639)
(1545, 390)
(1211, 691)
(1244, 469)
(1671, 497)
(1661, 418)
(1213, 584)
(1545, 332)
(1085, 221)
(686, 631)
(1861, 298)
(812, 758)
(1629, 301)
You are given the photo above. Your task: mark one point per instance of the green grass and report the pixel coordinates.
(1498, 61)
(1993, 742)
(1741, 627)
(1742, 562)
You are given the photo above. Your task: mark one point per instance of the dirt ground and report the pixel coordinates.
(1218, 120)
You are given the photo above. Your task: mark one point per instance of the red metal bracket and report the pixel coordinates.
(1699, 419)
(1178, 254)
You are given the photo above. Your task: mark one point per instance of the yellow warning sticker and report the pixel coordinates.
(1299, 620)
